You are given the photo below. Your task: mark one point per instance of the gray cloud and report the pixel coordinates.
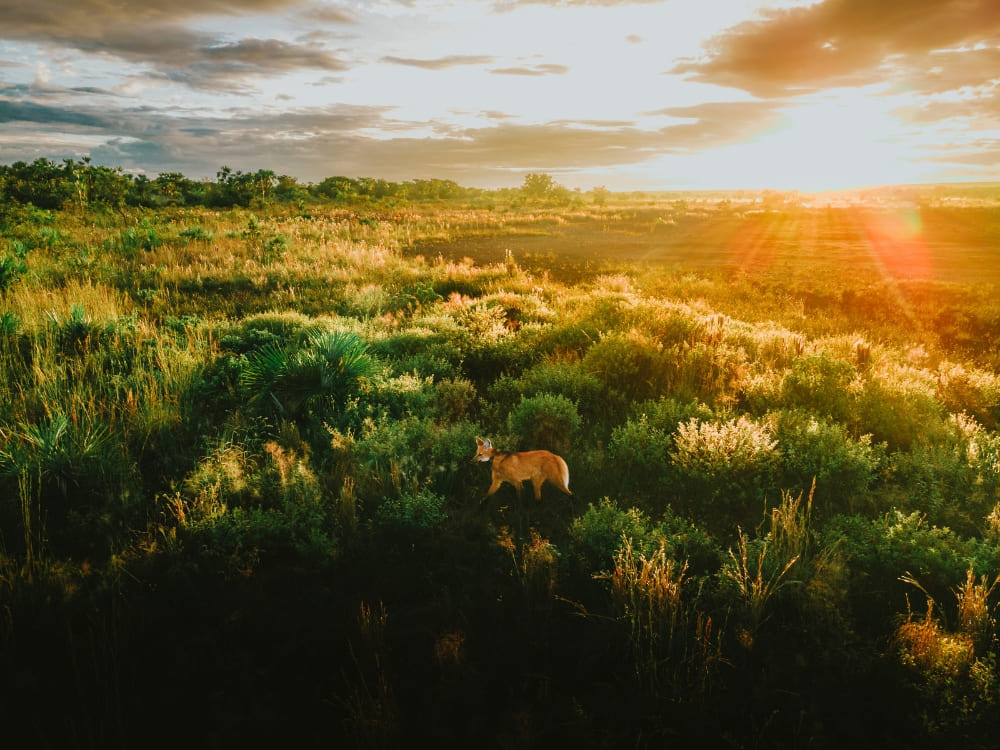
(39, 113)
(840, 42)
(314, 143)
(68, 19)
(154, 34)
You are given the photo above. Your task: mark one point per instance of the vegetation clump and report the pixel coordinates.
(237, 421)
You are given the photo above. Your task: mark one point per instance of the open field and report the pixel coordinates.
(237, 500)
(955, 245)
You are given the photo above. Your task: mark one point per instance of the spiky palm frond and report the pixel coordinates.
(57, 447)
(331, 364)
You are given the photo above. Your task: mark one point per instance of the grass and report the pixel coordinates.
(244, 427)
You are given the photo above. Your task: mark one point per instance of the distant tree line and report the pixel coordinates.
(53, 185)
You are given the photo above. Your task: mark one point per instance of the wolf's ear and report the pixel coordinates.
(479, 441)
(487, 443)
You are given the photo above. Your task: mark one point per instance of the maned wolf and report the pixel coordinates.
(514, 468)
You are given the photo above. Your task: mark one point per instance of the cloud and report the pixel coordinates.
(440, 63)
(839, 43)
(545, 69)
(507, 5)
(719, 123)
(40, 113)
(314, 143)
(66, 19)
(982, 153)
(950, 70)
(982, 110)
(159, 35)
(267, 56)
(327, 14)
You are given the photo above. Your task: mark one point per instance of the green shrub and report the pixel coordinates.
(821, 450)
(819, 384)
(569, 380)
(402, 395)
(971, 391)
(667, 413)
(455, 398)
(406, 455)
(951, 478)
(11, 270)
(897, 415)
(78, 332)
(640, 453)
(597, 535)
(429, 353)
(631, 365)
(545, 421)
(728, 464)
(330, 366)
(685, 540)
(882, 550)
(420, 511)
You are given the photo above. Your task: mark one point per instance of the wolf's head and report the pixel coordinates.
(484, 450)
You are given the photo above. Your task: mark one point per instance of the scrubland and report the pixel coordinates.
(237, 501)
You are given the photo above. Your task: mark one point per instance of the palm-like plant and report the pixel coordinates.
(57, 451)
(329, 365)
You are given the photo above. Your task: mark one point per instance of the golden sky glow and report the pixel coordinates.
(630, 95)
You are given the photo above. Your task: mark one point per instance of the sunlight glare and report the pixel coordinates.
(842, 139)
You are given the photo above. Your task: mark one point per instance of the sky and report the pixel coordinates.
(623, 94)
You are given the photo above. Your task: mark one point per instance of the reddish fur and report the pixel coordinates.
(515, 468)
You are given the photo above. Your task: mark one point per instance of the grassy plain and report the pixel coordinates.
(238, 503)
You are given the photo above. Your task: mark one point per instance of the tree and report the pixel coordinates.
(337, 188)
(265, 181)
(538, 186)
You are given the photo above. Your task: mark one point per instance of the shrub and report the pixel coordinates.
(401, 395)
(569, 380)
(974, 392)
(631, 365)
(956, 689)
(667, 413)
(819, 384)
(952, 477)
(11, 269)
(897, 415)
(898, 544)
(330, 366)
(412, 511)
(732, 463)
(596, 536)
(456, 396)
(822, 450)
(640, 453)
(545, 421)
(406, 455)
(686, 541)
